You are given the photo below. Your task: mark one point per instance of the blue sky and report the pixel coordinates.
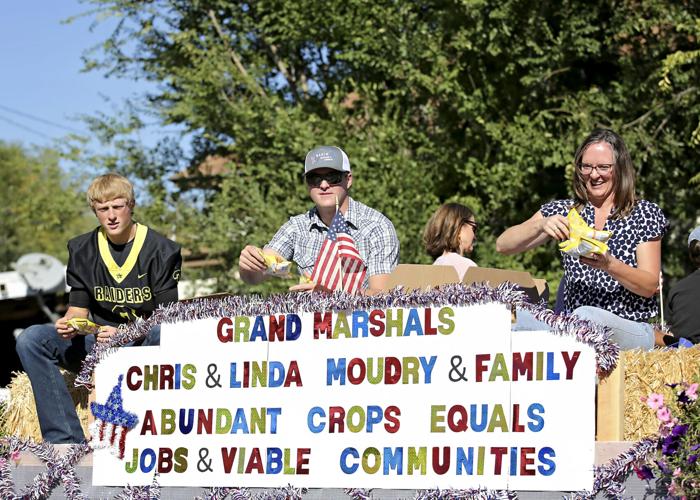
(41, 79)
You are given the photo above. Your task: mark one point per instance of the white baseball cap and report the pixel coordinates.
(326, 157)
(694, 235)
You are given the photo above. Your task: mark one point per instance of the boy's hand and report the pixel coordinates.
(104, 334)
(64, 330)
(83, 326)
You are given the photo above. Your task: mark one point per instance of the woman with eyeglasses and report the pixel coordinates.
(449, 235)
(617, 288)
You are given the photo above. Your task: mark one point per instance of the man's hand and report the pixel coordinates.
(306, 287)
(65, 331)
(252, 265)
(377, 283)
(105, 333)
(251, 259)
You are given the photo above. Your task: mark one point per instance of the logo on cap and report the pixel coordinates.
(327, 157)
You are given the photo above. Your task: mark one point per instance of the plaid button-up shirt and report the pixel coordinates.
(301, 237)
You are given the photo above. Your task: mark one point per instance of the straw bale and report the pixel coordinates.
(20, 414)
(647, 372)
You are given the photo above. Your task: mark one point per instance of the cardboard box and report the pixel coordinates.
(421, 276)
(542, 289)
(535, 289)
(424, 276)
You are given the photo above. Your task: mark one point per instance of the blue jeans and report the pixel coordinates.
(526, 322)
(626, 333)
(42, 351)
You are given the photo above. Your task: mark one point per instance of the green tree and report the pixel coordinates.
(475, 101)
(42, 206)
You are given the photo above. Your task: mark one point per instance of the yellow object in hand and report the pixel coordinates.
(304, 278)
(583, 239)
(84, 326)
(276, 265)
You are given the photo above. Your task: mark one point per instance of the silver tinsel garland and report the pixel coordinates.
(59, 469)
(607, 352)
(608, 478)
(437, 494)
(470, 494)
(220, 493)
(151, 492)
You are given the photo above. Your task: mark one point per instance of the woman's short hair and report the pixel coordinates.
(623, 172)
(110, 187)
(694, 253)
(441, 233)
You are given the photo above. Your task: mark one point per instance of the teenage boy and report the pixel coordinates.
(120, 271)
(329, 179)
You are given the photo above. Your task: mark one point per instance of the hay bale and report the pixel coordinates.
(20, 415)
(651, 371)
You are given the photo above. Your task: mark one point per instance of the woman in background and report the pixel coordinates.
(616, 289)
(449, 235)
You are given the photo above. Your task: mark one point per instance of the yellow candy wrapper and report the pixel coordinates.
(583, 239)
(84, 326)
(304, 278)
(276, 266)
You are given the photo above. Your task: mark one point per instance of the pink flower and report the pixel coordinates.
(655, 401)
(677, 472)
(692, 391)
(15, 456)
(672, 488)
(663, 414)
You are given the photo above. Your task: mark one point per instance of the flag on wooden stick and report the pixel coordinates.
(339, 265)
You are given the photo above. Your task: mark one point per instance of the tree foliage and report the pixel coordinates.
(42, 206)
(475, 101)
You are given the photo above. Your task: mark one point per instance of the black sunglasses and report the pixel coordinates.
(332, 178)
(473, 224)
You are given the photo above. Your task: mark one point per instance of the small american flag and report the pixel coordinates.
(339, 265)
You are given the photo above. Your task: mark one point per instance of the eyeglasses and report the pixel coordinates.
(601, 168)
(473, 224)
(332, 178)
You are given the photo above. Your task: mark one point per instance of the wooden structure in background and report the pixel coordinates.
(610, 405)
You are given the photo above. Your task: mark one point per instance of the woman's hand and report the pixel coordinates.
(556, 227)
(535, 231)
(643, 279)
(599, 261)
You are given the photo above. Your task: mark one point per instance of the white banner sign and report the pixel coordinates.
(442, 397)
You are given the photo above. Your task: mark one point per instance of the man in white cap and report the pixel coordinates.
(328, 179)
(682, 305)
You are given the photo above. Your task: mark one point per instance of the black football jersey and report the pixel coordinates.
(121, 293)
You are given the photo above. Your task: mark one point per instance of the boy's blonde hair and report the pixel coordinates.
(110, 187)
